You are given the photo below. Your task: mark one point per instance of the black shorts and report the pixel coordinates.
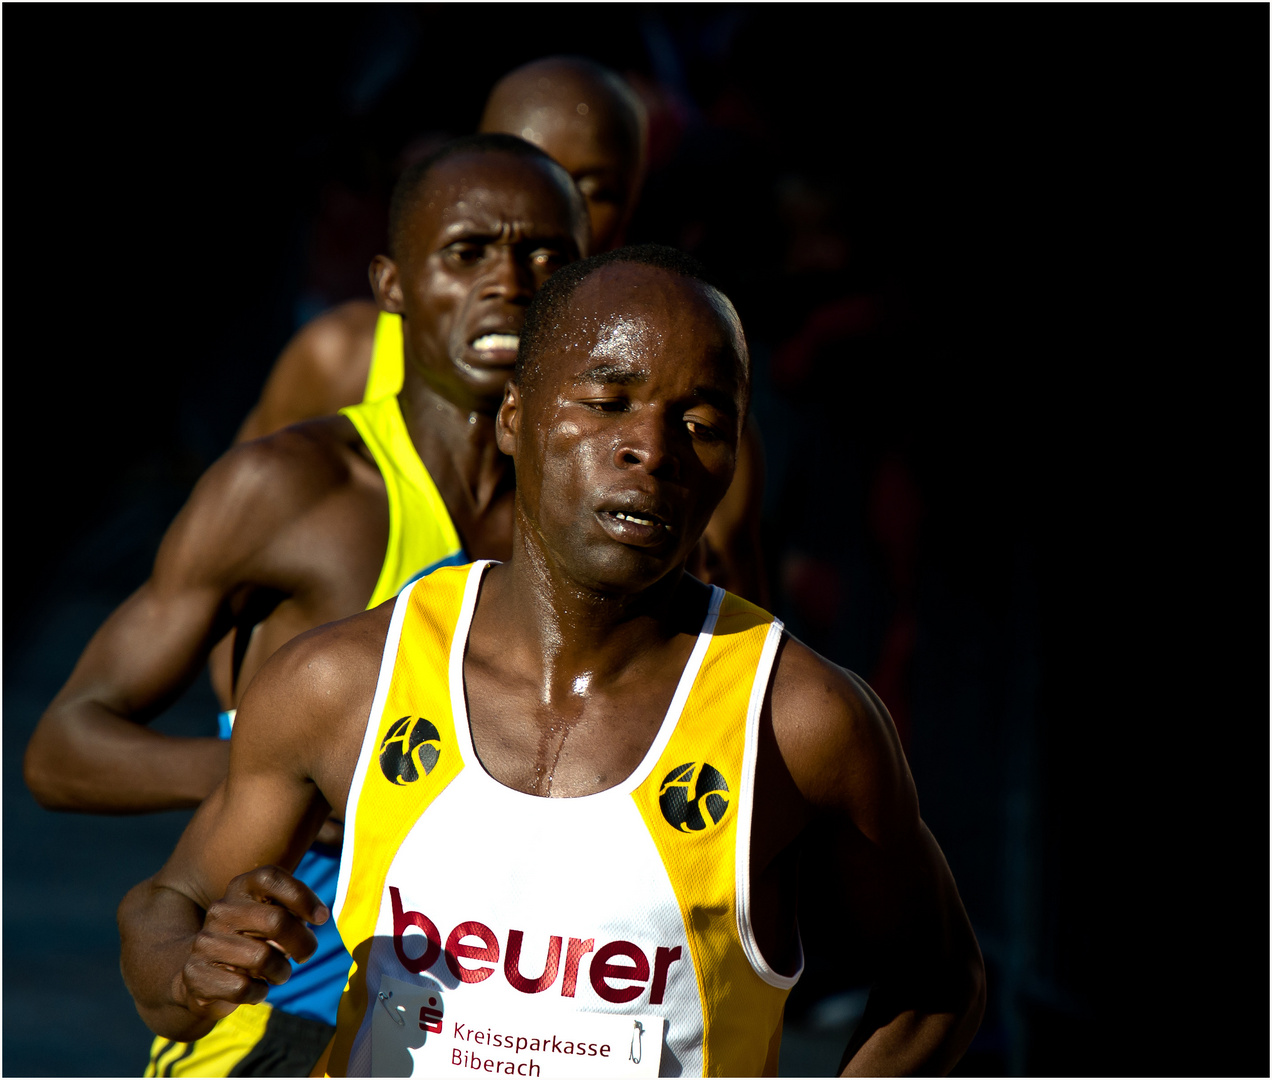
(254, 1040)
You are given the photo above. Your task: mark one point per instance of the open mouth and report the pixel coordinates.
(639, 529)
(497, 343)
(637, 519)
(493, 352)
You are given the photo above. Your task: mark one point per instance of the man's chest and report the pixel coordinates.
(567, 749)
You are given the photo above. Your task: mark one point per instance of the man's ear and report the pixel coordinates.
(508, 419)
(386, 284)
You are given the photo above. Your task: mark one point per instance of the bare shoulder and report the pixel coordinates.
(324, 669)
(839, 743)
(322, 369)
(314, 695)
(255, 490)
(272, 474)
(325, 441)
(331, 339)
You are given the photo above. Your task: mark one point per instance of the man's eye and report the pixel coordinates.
(595, 189)
(548, 257)
(608, 405)
(464, 254)
(700, 430)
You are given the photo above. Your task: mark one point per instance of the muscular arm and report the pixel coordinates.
(91, 750)
(213, 928)
(729, 553)
(896, 891)
(322, 369)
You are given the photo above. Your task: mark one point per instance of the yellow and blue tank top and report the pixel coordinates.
(388, 358)
(497, 931)
(422, 537)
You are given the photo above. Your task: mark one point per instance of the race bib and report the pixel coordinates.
(416, 1032)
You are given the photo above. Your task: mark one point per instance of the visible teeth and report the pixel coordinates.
(490, 342)
(633, 517)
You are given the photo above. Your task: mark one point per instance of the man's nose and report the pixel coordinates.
(508, 277)
(646, 443)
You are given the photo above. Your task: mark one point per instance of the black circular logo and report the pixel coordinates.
(693, 796)
(410, 750)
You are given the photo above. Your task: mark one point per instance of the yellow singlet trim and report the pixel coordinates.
(387, 359)
(702, 865)
(421, 533)
(387, 811)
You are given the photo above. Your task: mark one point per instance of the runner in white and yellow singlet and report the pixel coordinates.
(577, 784)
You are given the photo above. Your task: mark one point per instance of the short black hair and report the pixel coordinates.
(406, 192)
(544, 314)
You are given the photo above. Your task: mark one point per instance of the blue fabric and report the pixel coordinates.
(315, 986)
(457, 558)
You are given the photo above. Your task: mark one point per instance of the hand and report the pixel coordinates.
(247, 937)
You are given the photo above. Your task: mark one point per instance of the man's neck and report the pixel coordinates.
(560, 630)
(457, 447)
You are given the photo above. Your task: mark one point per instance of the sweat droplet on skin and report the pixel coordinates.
(624, 336)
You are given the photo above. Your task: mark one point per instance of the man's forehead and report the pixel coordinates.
(594, 136)
(626, 313)
(625, 334)
(554, 90)
(630, 303)
(492, 187)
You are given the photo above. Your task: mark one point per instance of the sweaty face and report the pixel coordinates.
(604, 170)
(578, 122)
(626, 432)
(484, 237)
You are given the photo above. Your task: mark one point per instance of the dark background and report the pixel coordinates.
(1005, 275)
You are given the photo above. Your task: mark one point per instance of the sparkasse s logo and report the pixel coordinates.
(410, 750)
(693, 796)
